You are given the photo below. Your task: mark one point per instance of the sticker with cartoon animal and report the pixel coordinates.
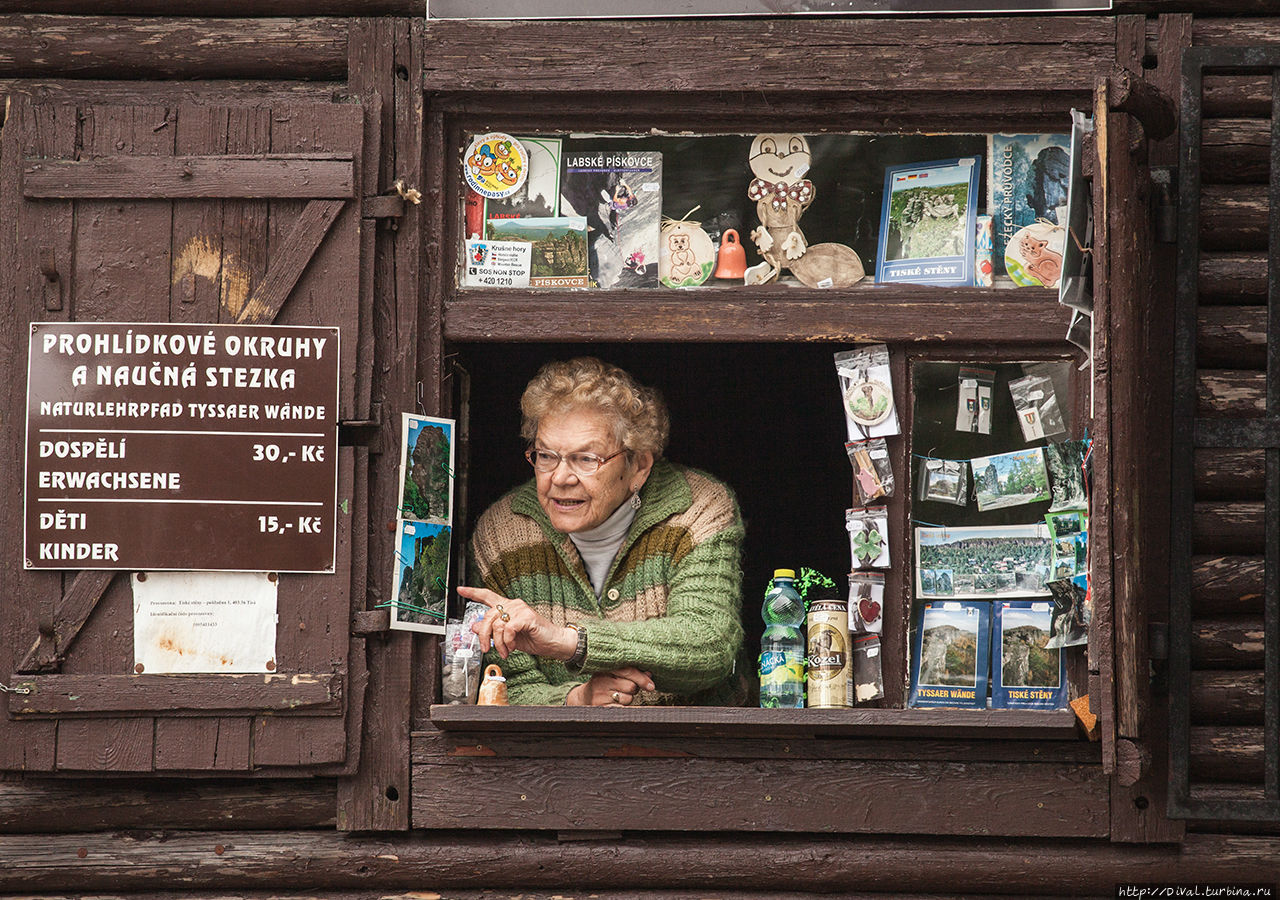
(1034, 255)
(495, 165)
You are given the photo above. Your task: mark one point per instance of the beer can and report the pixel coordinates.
(830, 673)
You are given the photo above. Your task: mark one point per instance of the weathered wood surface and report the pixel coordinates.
(870, 313)
(133, 93)
(803, 55)
(1236, 32)
(1228, 96)
(55, 636)
(221, 7)
(35, 806)
(1223, 474)
(1237, 643)
(1233, 217)
(1227, 698)
(431, 746)
(751, 722)
(39, 46)
(185, 176)
(1230, 392)
(1229, 527)
(72, 694)
(265, 860)
(1227, 585)
(1226, 753)
(1232, 337)
(1235, 151)
(1233, 278)
(762, 795)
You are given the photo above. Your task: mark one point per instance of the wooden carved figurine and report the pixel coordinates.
(782, 194)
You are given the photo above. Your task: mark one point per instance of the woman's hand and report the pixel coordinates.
(617, 688)
(513, 625)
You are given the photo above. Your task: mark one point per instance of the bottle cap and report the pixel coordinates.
(784, 573)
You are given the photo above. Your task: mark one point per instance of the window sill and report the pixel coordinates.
(734, 722)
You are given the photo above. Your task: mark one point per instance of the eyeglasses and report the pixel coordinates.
(580, 464)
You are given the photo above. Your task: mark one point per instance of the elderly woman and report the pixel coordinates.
(612, 577)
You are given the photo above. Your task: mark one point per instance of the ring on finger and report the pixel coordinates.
(617, 698)
(503, 614)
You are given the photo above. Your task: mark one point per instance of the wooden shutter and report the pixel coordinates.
(1225, 604)
(185, 214)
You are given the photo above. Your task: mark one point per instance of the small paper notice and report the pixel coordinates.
(498, 263)
(188, 622)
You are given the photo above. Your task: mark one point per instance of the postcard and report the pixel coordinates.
(950, 655)
(928, 223)
(426, 468)
(420, 586)
(1027, 177)
(1010, 479)
(1066, 474)
(1026, 673)
(558, 255)
(619, 193)
(983, 563)
(1072, 610)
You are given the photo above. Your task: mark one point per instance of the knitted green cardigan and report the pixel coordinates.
(670, 605)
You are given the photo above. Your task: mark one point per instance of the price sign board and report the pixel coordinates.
(162, 446)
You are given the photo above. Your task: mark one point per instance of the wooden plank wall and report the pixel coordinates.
(1229, 528)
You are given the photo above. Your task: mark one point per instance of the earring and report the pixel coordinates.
(635, 499)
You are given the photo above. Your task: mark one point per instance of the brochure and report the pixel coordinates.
(928, 223)
(619, 193)
(1026, 673)
(950, 654)
(1027, 177)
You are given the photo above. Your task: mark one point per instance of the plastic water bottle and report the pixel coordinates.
(782, 644)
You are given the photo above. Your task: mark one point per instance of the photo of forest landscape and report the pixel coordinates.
(1025, 661)
(949, 647)
(983, 563)
(1010, 479)
(427, 470)
(422, 573)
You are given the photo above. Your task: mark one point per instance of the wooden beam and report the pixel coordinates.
(1045, 54)
(235, 8)
(148, 861)
(1228, 643)
(1232, 336)
(1233, 278)
(271, 293)
(1223, 474)
(1228, 698)
(1236, 528)
(54, 639)
(63, 695)
(1233, 217)
(185, 177)
(1231, 392)
(1227, 584)
(40, 46)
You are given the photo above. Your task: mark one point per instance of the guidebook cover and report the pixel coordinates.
(1026, 673)
(619, 192)
(951, 654)
(1027, 177)
(928, 223)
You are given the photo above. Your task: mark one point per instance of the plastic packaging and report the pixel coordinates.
(782, 676)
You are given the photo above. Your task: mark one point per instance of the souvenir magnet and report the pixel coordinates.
(495, 165)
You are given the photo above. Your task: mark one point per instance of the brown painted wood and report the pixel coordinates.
(204, 744)
(263, 860)
(1226, 753)
(433, 746)
(1228, 528)
(220, 7)
(105, 745)
(1229, 474)
(69, 615)
(96, 694)
(185, 177)
(870, 313)
(198, 239)
(1237, 95)
(1233, 278)
(1233, 217)
(800, 55)
(41, 806)
(1227, 697)
(1237, 32)
(271, 293)
(1235, 151)
(1228, 392)
(135, 93)
(36, 46)
(1237, 643)
(1232, 337)
(720, 795)
(289, 742)
(1128, 92)
(1227, 584)
(751, 722)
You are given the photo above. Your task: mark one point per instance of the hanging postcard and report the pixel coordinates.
(1037, 406)
(945, 481)
(1066, 474)
(426, 469)
(983, 563)
(420, 576)
(866, 602)
(868, 670)
(928, 223)
(868, 537)
(866, 391)
(1072, 611)
(1010, 479)
(539, 196)
(973, 411)
(950, 655)
(1026, 673)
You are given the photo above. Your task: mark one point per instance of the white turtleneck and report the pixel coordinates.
(601, 544)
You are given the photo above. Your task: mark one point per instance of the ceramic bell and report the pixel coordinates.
(493, 690)
(731, 261)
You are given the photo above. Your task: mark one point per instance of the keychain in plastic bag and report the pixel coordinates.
(1037, 407)
(872, 472)
(460, 649)
(973, 411)
(866, 602)
(868, 537)
(866, 389)
(944, 480)
(868, 675)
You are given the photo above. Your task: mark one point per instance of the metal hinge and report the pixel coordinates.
(391, 204)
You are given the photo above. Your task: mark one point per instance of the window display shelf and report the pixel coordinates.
(936, 724)
(877, 313)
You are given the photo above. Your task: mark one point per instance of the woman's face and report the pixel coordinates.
(579, 503)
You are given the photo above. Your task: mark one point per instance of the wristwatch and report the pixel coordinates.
(574, 663)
